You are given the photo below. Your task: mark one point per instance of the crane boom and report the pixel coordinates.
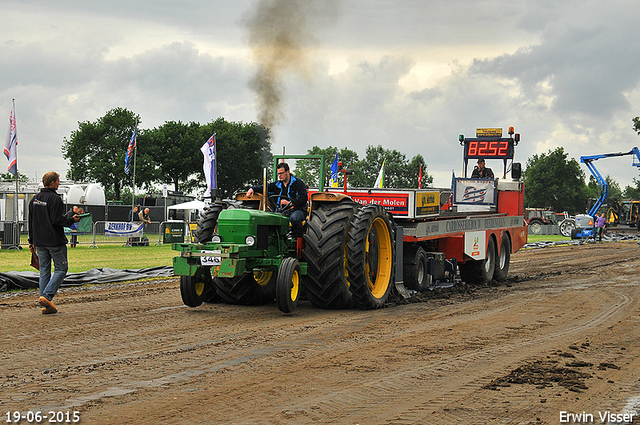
(588, 161)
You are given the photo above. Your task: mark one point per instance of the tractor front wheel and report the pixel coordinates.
(288, 285)
(192, 290)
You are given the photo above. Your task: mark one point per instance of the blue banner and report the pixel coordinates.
(123, 229)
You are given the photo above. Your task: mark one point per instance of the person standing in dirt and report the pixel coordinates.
(601, 223)
(294, 205)
(47, 220)
(481, 172)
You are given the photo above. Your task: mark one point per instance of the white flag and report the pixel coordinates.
(11, 142)
(380, 180)
(209, 166)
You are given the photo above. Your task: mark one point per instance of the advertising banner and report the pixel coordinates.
(475, 191)
(123, 229)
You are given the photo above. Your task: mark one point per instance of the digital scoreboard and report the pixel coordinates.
(488, 145)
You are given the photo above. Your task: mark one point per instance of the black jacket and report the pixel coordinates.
(47, 219)
(296, 190)
(486, 173)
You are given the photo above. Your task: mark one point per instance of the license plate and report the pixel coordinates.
(210, 259)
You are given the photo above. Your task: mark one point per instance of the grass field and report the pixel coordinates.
(83, 258)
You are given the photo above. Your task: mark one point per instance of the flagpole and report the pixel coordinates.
(16, 230)
(133, 188)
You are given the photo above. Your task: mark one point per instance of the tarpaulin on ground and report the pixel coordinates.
(29, 280)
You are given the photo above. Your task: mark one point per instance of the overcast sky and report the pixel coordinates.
(409, 75)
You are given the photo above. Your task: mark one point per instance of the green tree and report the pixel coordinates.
(398, 173)
(632, 192)
(309, 169)
(96, 152)
(174, 148)
(553, 181)
(7, 177)
(243, 151)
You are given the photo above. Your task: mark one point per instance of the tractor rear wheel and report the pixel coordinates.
(252, 288)
(326, 284)
(371, 257)
(288, 285)
(535, 226)
(207, 223)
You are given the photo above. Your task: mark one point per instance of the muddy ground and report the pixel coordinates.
(559, 338)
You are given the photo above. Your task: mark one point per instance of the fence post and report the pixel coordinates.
(93, 244)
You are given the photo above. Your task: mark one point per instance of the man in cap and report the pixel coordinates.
(481, 172)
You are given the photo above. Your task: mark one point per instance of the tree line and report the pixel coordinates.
(171, 153)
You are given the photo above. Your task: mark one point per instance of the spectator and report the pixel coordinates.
(601, 223)
(133, 214)
(144, 216)
(47, 221)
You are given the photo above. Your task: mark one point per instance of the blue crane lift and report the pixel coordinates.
(585, 223)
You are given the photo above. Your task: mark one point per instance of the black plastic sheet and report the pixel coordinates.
(29, 280)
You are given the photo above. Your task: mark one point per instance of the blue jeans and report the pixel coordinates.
(49, 284)
(297, 218)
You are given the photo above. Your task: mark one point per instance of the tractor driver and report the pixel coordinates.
(296, 194)
(481, 172)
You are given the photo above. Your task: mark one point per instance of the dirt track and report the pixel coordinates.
(560, 336)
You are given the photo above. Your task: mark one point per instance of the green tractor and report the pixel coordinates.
(243, 254)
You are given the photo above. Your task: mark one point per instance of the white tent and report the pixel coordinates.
(191, 205)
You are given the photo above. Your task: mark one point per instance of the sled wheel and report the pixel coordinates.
(489, 266)
(288, 285)
(502, 266)
(415, 269)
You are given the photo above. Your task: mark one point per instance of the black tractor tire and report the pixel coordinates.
(192, 290)
(252, 288)
(207, 223)
(210, 295)
(477, 272)
(504, 258)
(288, 285)
(415, 270)
(326, 284)
(371, 255)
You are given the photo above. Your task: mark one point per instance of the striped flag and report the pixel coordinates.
(130, 149)
(209, 166)
(420, 178)
(11, 143)
(380, 180)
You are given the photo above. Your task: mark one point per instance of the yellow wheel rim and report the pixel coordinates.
(378, 257)
(262, 277)
(199, 288)
(295, 285)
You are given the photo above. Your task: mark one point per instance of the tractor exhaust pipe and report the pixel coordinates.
(265, 192)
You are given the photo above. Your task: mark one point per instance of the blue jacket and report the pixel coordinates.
(296, 190)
